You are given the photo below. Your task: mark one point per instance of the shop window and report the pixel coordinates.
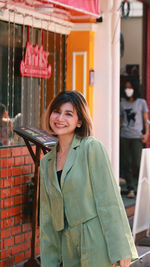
(26, 98)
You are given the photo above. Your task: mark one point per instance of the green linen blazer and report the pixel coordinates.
(88, 189)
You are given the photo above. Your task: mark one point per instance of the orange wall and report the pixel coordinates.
(80, 41)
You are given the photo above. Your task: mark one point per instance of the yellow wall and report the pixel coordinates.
(81, 41)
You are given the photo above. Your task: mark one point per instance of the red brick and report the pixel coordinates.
(37, 250)
(19, 257)
(17, 151)
(16, 230)
(26, 245)
(25, 150)
(26, 227)
(1, 204)
(37, 242)
(1, 183)
(1, 244)
(9, 242)
(26, 169)
(9, 202)
(16, 171)
(6, 213)
(5, 253)
(28, 160)
(1, 163)
(5, 153)
(8, 182)
(5, 233)
(17, 249)
(19, 238)
(24, 189)
(8, 162)
(5, 173)
(18, 219)
(27, 254)
(9, 192)
(19, 180)
(17, 210)
(11, 212)
(7, 262)
(19, 161)
(18, 200)
(7, 222)
(28, 235)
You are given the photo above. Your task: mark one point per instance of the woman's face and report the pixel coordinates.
(5, 114)
(64, 120)
(129, 91)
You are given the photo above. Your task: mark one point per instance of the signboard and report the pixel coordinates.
(36, 135)
(142, 208)
(35, 62)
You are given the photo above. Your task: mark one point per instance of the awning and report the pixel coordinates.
(76, 8)
(90, 7)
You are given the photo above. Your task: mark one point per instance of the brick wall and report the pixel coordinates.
(16, 170)
(148, 64)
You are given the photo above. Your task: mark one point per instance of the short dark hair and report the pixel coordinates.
(135, 86)
(2, 109)
(81, 106)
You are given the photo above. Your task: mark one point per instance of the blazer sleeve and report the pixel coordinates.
(109, 205)
(49, 238)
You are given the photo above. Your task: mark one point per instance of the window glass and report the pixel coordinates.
(23, 100)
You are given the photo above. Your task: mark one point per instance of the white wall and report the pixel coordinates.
(107, 76)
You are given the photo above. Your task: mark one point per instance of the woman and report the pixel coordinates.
(134, 118)
(82, 218)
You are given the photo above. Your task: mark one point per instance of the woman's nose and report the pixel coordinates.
(60, 117)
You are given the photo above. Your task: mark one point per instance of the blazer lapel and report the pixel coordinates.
(52, 172)
(70, 158)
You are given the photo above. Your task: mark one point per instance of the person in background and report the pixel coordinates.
(17, 122)
(5, 127)
(134, 133)
(82, 217)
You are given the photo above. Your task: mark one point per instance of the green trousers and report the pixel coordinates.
(81, 246)
(130, 156)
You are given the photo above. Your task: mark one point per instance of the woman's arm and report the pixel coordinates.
(146, 126)
(110, 209)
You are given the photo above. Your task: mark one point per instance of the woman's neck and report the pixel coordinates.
(65, 142)
(131, 99)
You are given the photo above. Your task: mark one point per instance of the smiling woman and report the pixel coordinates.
(79, 224)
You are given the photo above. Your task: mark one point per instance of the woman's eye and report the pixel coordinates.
(56, 111)
(69, 114)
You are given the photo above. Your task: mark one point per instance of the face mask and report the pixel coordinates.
(129, 92)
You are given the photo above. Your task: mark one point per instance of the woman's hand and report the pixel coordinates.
(144, 138)
(123, 263)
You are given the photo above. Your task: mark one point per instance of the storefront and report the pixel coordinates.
(39, 56)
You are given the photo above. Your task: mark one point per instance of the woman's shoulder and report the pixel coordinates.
(142, 100)
(91, 141)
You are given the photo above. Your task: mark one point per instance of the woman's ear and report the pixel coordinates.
(79, 124)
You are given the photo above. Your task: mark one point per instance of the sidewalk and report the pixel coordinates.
(143, 250)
